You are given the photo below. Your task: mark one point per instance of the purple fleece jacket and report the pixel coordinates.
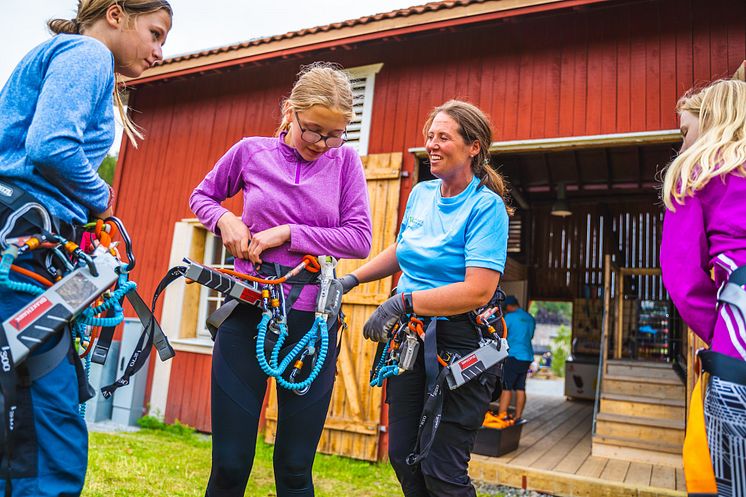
(325, 202)
(708, 231)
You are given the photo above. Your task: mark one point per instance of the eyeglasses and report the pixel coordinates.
(312, 137)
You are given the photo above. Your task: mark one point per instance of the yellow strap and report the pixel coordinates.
(700, 478)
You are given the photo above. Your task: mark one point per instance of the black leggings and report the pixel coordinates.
(444, 472)
(238, 388)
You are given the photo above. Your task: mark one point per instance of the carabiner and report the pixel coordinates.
(127, 242)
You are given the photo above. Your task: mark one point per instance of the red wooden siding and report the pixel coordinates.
(189, 392)
(608, 68)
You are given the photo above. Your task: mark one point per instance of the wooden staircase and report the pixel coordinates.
(642, 413)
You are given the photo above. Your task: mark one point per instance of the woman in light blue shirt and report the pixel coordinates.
(56, 126)
(451, 250)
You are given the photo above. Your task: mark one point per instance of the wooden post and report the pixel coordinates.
(619, 336)
(607, 311)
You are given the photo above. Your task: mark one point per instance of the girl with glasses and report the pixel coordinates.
(303, 194)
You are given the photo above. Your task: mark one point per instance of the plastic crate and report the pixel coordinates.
(494, 442)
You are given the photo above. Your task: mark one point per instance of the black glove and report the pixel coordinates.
(349, 281)
(382, 321)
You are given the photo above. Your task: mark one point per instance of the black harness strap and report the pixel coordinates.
(432, 412)
(431, 353)
(15, 197)
(8, 385)
(296, 283)
(725, 367)
(165, 351)
(142, 349)
(103, 343)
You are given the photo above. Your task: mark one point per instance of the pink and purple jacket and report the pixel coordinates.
(325, 202)
(707, 232)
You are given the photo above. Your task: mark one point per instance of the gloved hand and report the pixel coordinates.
(382, 321)
(349, 281)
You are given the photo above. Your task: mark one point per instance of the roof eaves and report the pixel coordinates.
(430, 16)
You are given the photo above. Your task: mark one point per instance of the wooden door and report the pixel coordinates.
(353, 423)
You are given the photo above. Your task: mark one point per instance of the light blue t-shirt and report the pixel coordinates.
(521, 326)
(441, 236)
(57, 124)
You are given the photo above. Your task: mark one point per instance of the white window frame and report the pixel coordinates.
(211, 260)
(369, 73)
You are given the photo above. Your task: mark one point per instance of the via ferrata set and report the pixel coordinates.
(400, 352)
(268, 295)
(91, 283)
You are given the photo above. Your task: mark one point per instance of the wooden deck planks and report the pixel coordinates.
(592, 467)
(555, 451)
(615, 470)
(557, 442)
(639, 474)
(546, 425)
(577, 456)
(663, 477)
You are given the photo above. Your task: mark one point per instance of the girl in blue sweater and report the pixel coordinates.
(56, 126)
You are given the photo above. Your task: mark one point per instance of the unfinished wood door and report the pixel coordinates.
(353, 423)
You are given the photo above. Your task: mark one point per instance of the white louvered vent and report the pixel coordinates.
(358, 131)
(514, 234)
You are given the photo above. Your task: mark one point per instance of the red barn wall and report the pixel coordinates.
(610, 68)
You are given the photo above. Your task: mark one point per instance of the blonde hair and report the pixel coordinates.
(474, 125)
(90, 11)
(320, 83)
(720, 148)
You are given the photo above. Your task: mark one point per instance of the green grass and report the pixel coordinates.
(162, 461)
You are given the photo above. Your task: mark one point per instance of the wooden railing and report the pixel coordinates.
(605, 332)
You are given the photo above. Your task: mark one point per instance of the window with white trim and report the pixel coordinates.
(363, 80)
(217, 256)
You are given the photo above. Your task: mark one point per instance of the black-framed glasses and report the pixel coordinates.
(312, 137)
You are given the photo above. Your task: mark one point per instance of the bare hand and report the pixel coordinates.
(106, 214)
(273, 237)
(235, 235)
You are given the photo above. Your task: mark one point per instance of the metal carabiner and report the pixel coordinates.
(127, 242)
(13, 218)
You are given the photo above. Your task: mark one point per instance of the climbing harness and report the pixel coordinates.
(267, 294)
(95, 275)
(698, 464)
(84, 290)
(398, 355)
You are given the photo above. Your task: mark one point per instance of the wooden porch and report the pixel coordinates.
(554, 456)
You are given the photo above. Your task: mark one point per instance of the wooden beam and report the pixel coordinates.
(578, 142)
(639, 271)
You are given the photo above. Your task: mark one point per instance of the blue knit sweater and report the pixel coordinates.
(57, 124)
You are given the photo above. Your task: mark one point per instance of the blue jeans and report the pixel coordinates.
(61, 436)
